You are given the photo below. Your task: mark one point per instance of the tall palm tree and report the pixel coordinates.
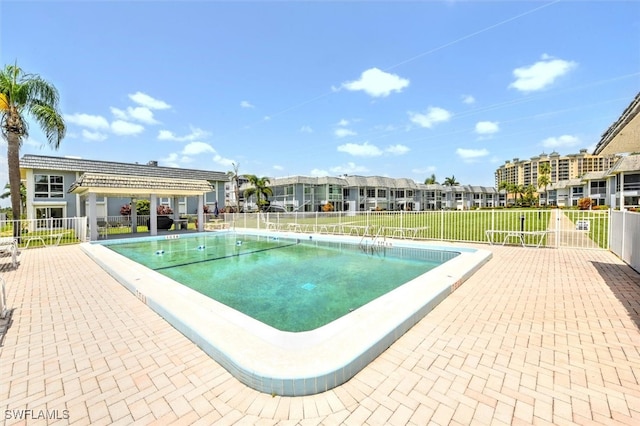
(259, 188)
(451, 181)
(23, 95)
(234, 178)
(544, 179)
(508, 187)
(431, 180)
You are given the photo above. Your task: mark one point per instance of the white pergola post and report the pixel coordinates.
(134, 215)
(153, 215)
(200, 212)
(93, 220)
(176, 207)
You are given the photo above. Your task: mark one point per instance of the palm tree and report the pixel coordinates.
(519, 190)
(23, 95)
(544, 179)
(259, 188)
(431, 180)
(23, 195)
(451, 181)
(234, 177)
(508, 187)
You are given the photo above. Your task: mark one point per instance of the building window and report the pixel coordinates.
(382, 193)
(49, 186)
(400, 193)
(409, 193)
(598, 187)
(371, 193)
(288, 190)
(49, 217)
(345, 192)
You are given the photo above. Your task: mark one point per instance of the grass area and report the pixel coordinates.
(598, 224)
(436, 225)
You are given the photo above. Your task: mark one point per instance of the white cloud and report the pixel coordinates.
(142, 114)
(432, 116)
(343, 122)
(278, 167)
(397, 149)
(342, 133)
(349, 168)
(319, 172)
(377, 83)
(93, 136)
(124, 128)
(147, 101)
(563, 141)
(306, 129)
(487, 127)
(363, 150)
(196, 133)
(171, 160)
(468, 99)
(541, 74)
(246, 104)
(86, 120)
(429, 169)
(470, 155)
(226, 162)
(196, 148)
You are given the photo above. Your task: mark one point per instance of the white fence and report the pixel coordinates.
(544, 227)
(46, 232)
(625, 237)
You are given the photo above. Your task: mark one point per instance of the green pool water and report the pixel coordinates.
(290, 284)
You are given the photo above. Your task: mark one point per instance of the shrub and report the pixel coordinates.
(584, 203)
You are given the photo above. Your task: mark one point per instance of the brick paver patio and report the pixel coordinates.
(537, 336)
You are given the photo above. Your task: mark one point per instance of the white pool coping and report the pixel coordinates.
(288, 363)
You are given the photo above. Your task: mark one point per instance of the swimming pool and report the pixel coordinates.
(294, 363)
(290, 284)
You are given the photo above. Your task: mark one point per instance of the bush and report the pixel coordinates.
(584, 203)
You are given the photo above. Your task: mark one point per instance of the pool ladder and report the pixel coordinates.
(376, 243)
(3, 301)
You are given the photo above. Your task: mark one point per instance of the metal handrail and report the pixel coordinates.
(3, 301)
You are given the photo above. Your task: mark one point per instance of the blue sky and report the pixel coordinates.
(388, 88)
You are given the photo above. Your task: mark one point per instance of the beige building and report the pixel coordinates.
(563, 167)
(624, 134)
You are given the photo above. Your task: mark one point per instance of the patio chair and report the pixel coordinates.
(9, 245)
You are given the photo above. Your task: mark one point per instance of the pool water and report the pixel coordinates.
(289, 284)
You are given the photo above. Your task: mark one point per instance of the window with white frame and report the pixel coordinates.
(49, 186)
(598, 187)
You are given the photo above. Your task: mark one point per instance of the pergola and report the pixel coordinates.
(91, 185)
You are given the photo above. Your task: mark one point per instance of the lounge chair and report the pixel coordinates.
(10, 245)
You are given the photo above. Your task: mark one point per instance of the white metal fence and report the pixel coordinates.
(46, 232)
(625, 237)
(544, 227)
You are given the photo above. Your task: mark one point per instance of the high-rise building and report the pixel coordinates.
(563, 167)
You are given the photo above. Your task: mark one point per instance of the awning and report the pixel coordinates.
(138, 187)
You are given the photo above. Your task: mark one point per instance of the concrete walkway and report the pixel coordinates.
(537, 336)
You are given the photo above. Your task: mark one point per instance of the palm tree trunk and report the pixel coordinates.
(13, 160)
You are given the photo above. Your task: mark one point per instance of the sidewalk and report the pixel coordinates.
(536, 336)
